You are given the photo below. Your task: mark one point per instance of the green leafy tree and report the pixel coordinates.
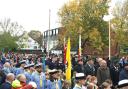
(120, 24)
(10, 32)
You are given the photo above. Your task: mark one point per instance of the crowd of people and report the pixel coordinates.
(31, 71)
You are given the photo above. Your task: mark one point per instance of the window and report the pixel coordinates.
(44, 34)
(57, 31)
(54, 31)
(50, 32)
(35, 47)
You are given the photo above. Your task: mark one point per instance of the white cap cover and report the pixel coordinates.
(33, 84)
(123, 83)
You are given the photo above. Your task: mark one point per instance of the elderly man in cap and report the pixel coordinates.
(21, 69)
(39, 77)
(20, 83)
(80, 80)
(123, 84)
(54, 83)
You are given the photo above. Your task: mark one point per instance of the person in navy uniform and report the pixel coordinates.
(89, 68)
(80, 80)
(79, 68)
(21, 69)
(49, 63)
(55, 82)
(60, 65)
(38, 76)
(9, 79)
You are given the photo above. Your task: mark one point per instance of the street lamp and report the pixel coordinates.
(108, 18)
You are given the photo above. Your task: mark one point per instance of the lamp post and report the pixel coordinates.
(108, 18)
(49, 32)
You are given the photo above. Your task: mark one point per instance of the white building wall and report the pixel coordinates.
(29, 43)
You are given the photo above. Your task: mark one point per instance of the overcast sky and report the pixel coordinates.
(32, 14)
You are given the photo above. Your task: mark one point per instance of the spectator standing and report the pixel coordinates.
(122, 62)
(79, 68)
(89, 68)
(114, 72)
(9, 79)
(103, 72)
(124, 73)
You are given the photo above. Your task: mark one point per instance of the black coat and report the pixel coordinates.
(114, 72)
(123, 74)
(79, 68)
(6, 85)
(2, 77)
(89, 70)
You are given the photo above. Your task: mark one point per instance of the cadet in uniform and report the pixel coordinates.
(28, 72)
(38, 76)
(80, 80)
(21, 69)
(54, 83)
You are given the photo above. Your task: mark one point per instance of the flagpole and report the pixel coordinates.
(79, 50)
(64, 52)
(109, 39)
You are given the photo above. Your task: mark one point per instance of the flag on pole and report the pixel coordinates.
(79, 50)
(68, 58)
(64, 52)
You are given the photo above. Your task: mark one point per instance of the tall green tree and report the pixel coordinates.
(120, 23)
(10, 32)
(88, 15)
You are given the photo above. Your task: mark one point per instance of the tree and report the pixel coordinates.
(10, 33)
(87, 14)
(37, 36)
(120, 23)
(7, 41)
